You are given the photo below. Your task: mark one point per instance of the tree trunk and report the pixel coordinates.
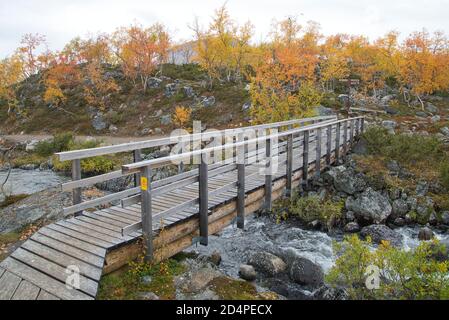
(420, 100)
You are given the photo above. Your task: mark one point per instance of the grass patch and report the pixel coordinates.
(128, 285)
(230, 289)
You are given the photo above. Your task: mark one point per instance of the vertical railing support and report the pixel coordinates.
(357, 127)
(268, 175)
(318, 153)
(289, 173)
(362, 125)
(147, 217)
(76, 175)
(329, 145)
(305, 159)
(351, 133)
(241, 155)
(204, 200)
(337, 142)
(137, 157)
(345, 138)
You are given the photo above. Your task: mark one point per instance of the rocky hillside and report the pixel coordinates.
(129, 111)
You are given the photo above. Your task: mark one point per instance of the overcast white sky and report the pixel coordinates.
(62, 20)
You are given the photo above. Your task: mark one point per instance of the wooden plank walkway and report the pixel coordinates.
(39, 269)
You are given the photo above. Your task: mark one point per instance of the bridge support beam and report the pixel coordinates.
(318, 153)
(204, 200)
(241, 155)
(147, 218)
(329, 145)
(305, 159)
(288, 189)
(337, 143)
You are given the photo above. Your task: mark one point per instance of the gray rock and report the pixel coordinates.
(431, 107)
(148, 296)
(113, 129)
(422, 187)
(215, 258)
(400, 222)
(326, 292)
(349, 216)
(370, 206)
(352, 227)
(98, 122)
(399, 208)
(445, 131)
(146, 279)
(391, 110)
(165, 120)
(31, 145)
(246, 106)
(170, 89)
(208, 101)
(445, 217)
(425, 234)
(146, 131)
(116, 185)
(435, 119)
(323, 111)
(421, 114)
(247, 272)
(393, 167)
(360, 147)
(305, 272)
(389, 124)
(30, 166)
(267, 263)
(188, 91)
(349, 182)
(377, 233)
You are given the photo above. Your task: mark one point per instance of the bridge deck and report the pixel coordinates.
(38, 269)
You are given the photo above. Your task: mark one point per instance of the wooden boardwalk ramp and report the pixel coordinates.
(66, 259)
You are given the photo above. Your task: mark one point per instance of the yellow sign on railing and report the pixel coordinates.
(144, 183)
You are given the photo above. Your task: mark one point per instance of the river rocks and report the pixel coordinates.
(46, 205)
(445, 217)
(399, 222)
(399, 208)
(369, 206)
(377, 233)
(267, 263)
(326, 292)
(349, 182)
(305, 272)
(425, 234)
(422, 187)
(215, 258)
(197, 279)
(352, 227)
(247, 272)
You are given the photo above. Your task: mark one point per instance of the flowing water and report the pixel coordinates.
(30, 181)
(263, 234)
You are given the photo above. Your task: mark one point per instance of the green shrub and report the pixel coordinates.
(312, 208)
(414, 274)
(60, 142)
(444, 174)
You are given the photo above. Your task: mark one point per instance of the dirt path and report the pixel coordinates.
(108, 140)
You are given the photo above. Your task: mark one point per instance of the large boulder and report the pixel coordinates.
(305, 272)
(247, 272)
(267, 263)
(399, 208)
(369, 206)
(379, 233)
(349, 182)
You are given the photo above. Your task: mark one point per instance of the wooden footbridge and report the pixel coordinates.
(248, 169)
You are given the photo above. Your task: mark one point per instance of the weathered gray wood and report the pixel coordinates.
(44, 295)
(147, 216)
(26, 291)
(84, 234)
(94, 229)
(305, 159)
(329, 145)
(8, 284)
(70, 250)
(268, 175)
(76, 175)
(62, 259)
(351, 132)
(337, 143)
(137, 157)
(318, 153)
(43, 281)
(80, 236)
(289, 166)
(87, 153)
(203, 201)
(87, 286)
(69, 240)
(69, 186)
(1, 272)
(345, 139)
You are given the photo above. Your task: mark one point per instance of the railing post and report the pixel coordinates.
(337, 142)
(357, 127)
(318, 153)
(329, 145)
(345, 139)
(76, 175)
(362, 125)
(241, 155)
(204, 200)
(268, 175)
(305, 159)
(137, 157)
(181, 167)
(147, 217)
(288, 189)
(351, 132)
